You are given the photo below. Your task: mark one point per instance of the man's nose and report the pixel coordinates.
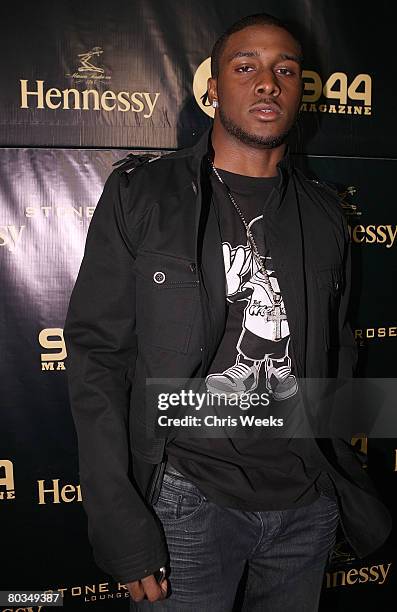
(267, 83)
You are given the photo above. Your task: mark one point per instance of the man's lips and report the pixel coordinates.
(266, 111)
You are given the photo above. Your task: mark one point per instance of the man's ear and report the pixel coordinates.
(212, 89)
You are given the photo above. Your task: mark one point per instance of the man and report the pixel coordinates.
(223, 262)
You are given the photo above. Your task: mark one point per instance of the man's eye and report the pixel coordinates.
(286, 71)
(244, 68)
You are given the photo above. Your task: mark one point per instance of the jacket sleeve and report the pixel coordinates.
(101, 345)
(348, 351)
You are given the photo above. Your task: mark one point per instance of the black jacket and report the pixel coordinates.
(122, 327)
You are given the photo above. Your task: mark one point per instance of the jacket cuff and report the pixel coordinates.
(135, 566)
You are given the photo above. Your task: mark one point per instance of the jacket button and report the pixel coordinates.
(336, 285)
(193, 268)
(159, 277)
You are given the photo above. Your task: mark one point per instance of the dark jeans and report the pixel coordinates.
(279, 556)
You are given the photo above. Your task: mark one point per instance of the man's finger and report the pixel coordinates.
(152, 588)
(136, 590)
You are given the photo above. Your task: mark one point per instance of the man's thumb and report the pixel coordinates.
(164, 586)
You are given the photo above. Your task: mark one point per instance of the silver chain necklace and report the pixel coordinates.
(255, 252)
(276, 313)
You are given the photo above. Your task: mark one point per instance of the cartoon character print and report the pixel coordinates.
(263, 344)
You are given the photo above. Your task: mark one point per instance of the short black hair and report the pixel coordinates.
(241, 24)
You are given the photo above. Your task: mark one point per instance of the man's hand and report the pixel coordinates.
(147, 586)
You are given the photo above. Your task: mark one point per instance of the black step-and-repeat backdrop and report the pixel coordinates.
(84, 82)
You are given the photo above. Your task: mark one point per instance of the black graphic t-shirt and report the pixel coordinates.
(255, 472)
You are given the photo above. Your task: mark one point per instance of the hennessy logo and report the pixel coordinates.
(56, 494)
(6, 480)
(37, 96)
(350, 208)
(374, 234)
(85, 61)
(365, 234)
(373, 573)
(88, 70)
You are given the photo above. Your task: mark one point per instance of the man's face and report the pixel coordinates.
(259, 85)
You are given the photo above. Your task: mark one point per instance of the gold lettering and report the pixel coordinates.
(95, 94)
(46, 342)
(381, 233)
(52, 93)
(356, 230)
(384, 573)
(54, 491)
(312, 86)
(340, 93)
(122, 97)
(76, 95)
(335, 578)
(8, 480)
(150, 104)
(352, 572)
(139, 103)
(374, 573)
(371, 234)
(365, 95)
(25, 93)
(67, 489)
(108, 95)
(70, 489)
(392, 235)
(47, 366)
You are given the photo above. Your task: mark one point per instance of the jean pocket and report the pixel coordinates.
(176, 504)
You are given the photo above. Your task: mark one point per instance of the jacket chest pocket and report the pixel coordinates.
(330, 283)
(167, 300)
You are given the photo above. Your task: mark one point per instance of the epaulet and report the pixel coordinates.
(132, 161)
(328, 186)
(342, 197)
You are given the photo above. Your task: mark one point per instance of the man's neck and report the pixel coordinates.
(235, 156)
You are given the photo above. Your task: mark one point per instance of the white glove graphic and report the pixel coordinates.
(237, 262)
